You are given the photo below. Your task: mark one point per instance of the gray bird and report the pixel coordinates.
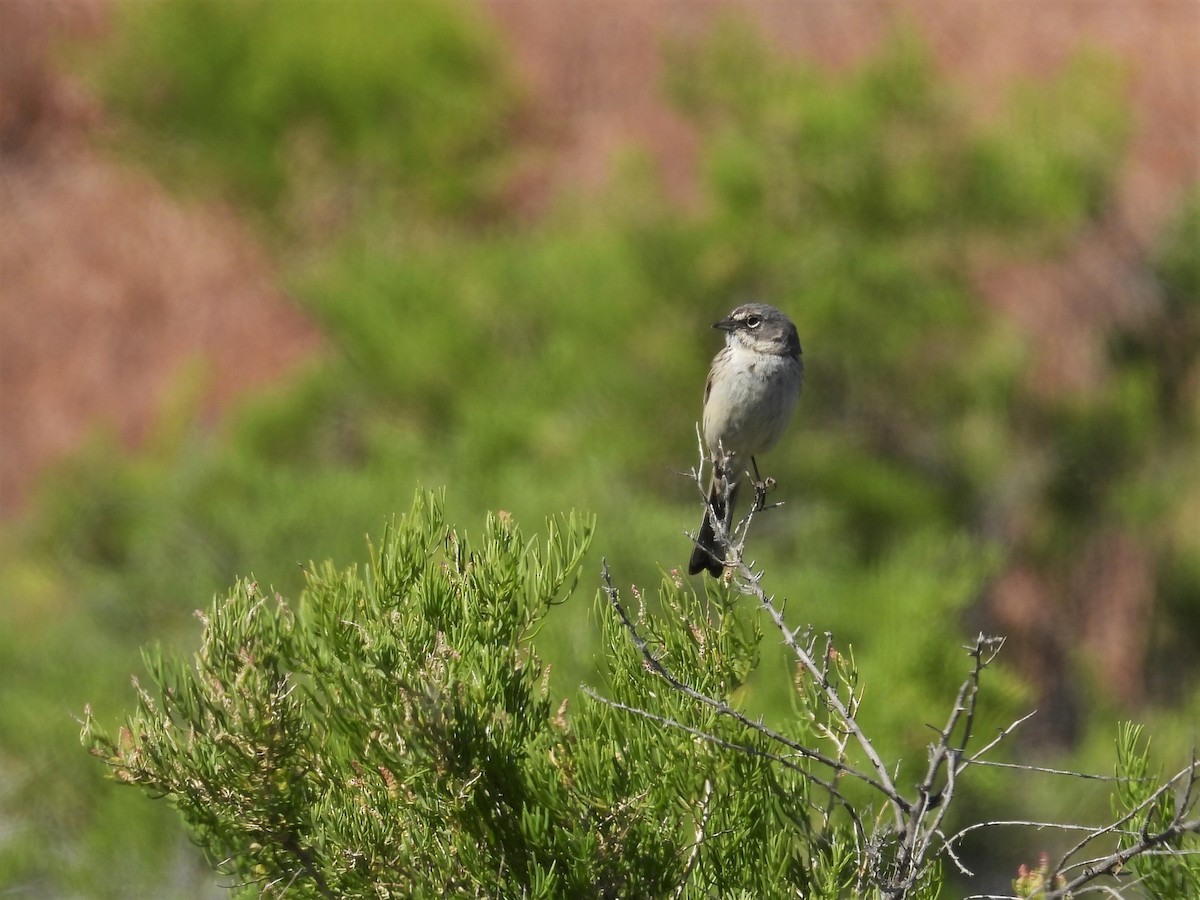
(749, 399)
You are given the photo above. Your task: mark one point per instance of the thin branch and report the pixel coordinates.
(655, 665)
(1129, 816)
(883, 781)
(1044, 770)
(944, 756)
(977, 756)
(1148, 842)
(894, 861)
(701, 828)
(1020, 823)
(724, 743)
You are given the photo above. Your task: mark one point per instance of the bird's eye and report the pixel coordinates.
(753, 321)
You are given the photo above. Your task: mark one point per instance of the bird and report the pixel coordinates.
(749, 399)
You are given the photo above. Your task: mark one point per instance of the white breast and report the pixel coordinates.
(751, 401)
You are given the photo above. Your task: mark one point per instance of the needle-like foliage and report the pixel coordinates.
(394, 735)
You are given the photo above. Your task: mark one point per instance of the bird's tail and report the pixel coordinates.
(709, 552)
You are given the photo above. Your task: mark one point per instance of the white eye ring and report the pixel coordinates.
(753, 321)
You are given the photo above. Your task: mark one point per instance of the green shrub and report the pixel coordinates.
(394, 735)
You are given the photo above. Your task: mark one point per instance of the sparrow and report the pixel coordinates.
(749, 398)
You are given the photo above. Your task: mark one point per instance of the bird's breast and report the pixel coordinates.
(751, 401)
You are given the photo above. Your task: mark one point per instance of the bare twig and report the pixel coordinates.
(653, 664)
(1148, 841)
(748, 749)
(895, 859)
(701, 828)
(748, 582)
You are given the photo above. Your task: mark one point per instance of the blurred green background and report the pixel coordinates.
(545, 362)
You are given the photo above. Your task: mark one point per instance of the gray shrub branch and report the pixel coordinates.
(901, 847)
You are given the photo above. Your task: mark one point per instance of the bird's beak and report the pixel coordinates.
(726, 324)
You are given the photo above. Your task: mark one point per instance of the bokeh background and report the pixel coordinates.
(268, 268)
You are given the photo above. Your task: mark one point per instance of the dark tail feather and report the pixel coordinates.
(706, 554)
(709, 553)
